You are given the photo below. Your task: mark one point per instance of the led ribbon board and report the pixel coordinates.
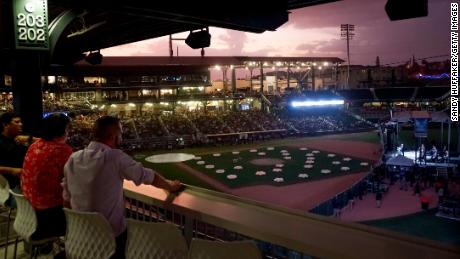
(31, 24)
(316, 103)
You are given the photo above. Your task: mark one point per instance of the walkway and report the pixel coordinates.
(395, 203)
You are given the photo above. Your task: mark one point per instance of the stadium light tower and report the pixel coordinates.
(347, 31)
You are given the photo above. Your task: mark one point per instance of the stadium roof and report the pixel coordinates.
(93, 25)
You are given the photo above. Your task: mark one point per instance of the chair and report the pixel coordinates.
(204, 249)
(4, 196)
(25, 225)
(88, 235)
(148, 240)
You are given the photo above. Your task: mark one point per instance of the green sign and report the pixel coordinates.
(31, 24)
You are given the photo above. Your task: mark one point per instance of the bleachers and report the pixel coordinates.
(177, 124)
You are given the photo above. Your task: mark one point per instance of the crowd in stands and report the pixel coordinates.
(331, 121)
(152, 127)
(266, 121)
(209, 123)
(199, 126)
(178, 124)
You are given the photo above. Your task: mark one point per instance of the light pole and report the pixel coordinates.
(347, 31)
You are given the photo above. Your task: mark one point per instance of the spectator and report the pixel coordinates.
(378, 199)
(93, 178)
(13, 148)
(43, 173)
(425, 201)
(441, 195)
(336, 207)
(417, 189)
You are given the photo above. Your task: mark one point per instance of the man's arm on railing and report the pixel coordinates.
(171, 186)
(10, 170)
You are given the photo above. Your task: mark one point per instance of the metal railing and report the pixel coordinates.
(279, 232)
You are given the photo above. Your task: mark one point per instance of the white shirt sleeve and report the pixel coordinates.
(132, 170)
(65, 189)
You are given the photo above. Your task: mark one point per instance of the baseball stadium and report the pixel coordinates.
(238, 156)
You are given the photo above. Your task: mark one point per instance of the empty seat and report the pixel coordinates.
(25, 224)
(4, 196)
(148, 240)
(88, 235)
(205, 249)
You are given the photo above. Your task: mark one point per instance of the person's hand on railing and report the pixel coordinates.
(168, 185)
(175, 186)
(10, 170)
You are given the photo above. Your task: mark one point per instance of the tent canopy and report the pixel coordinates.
(400, 160)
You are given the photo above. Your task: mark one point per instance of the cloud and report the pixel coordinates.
(235, 40)
(341, 12)
(333, 47)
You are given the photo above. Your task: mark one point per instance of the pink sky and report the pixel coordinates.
(314, 31)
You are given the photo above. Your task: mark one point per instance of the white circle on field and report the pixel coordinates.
(169, 158)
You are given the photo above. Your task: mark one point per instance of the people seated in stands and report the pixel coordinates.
(444, 155)
(434, 153)
(43, 173)
(400, 149)
(93, 178)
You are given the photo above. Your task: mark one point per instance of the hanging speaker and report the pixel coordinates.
(406, 9)
(198, 39)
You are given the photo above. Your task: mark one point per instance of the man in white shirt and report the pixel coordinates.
(93, 178)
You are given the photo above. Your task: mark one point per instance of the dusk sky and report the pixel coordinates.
(315, 31)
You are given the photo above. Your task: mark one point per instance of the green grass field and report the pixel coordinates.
(172, 171)
(423, 224)
(290, 170)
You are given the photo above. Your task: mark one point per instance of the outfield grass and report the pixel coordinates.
(370, 137)
(172, 171)
(423, 224)
(290, 170)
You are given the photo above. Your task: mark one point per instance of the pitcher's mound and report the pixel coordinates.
(169, 158)
(266, 161)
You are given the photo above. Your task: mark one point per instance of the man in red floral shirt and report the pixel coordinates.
(42, 175)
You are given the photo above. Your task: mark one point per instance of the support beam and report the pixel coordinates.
(288, 71)
(233, 80)
(261, 77)
(313, 85)
(250, 79)
(27, 89)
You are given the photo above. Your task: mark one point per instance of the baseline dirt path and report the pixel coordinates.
(302, 196)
